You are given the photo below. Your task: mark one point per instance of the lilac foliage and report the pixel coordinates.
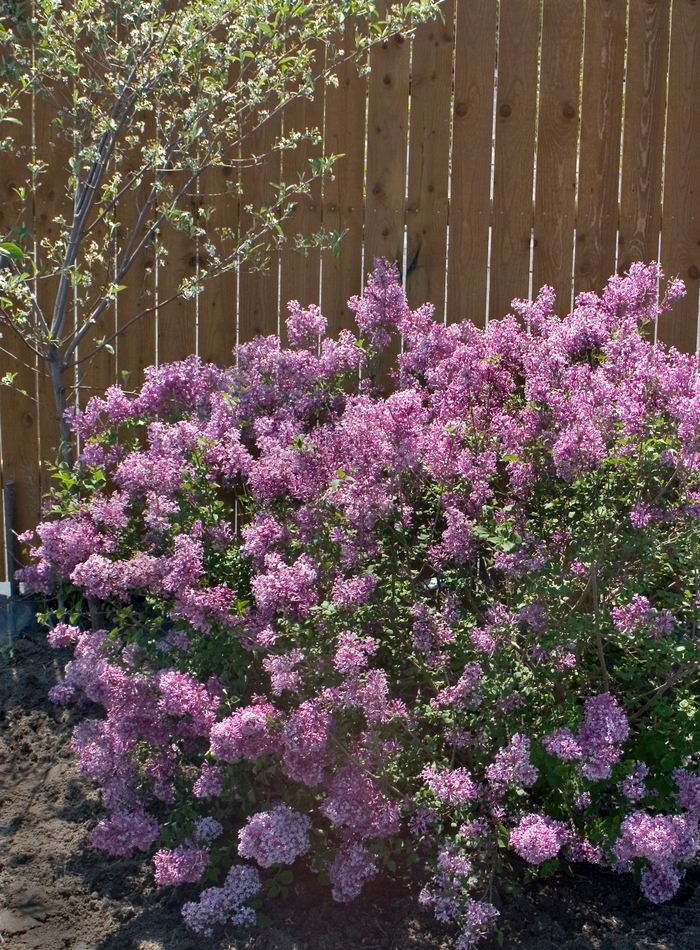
(359, 624)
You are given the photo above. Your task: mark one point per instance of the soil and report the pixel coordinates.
(59, 893)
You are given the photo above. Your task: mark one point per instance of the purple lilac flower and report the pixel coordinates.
(183, 865)
(633, 787)
(383, 307)
(182, 695)
(479, 915)
(538, 838)
(305, 743)
(353, 866)
(217, 905)
(285, 586)
(282, 673)
(207, 829)
(209, 782)
(304, 327)
(356, 804)
(451, 785)
(246, 734)
(272, 837)
(563, 744)
(688, 796)
(62, 635)
(352, 651)
(660, 882)
(124, 831)
(463, 689)
(661, 839)
(430, 635)
(420, 822)
(512, 765)
(353, 592)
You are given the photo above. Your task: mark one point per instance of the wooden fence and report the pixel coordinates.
(520, 142)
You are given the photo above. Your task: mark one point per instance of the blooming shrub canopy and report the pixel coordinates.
(456, 621)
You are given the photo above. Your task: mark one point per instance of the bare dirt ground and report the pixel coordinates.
(59, 893)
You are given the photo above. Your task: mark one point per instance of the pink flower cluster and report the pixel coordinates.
(664, 840)
(538, 838)
(278, 836)
(600, 737)
(324, 595)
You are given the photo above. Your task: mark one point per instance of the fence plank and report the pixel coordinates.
(136, 344)
(258, 309)
(300, 272)
(219, 304)
(176, 318)
(516, 107)
(343, 195)
(387, 128)
(19, 413)
(643, 136)
(601, 119)
(470, 187)
(557, 140)
(680, 230)
(428, 161)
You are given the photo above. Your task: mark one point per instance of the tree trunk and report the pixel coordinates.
(66, 452)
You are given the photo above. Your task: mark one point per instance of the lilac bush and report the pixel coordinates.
(450, 625)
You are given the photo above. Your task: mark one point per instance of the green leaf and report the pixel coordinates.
(8, 249)
(286, 877)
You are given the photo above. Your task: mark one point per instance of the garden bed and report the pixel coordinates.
(59, 893)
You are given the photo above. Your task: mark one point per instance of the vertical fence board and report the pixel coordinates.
(557, 140)
(177, 333)
(515, 153)
(136, 343)
(19, 413)
(343, 194)
(300, 272)
(680, 230)
(472, 128)
(643, 136)
(258, 302)
(601, 120)
(428, 161)
(387, 128)
(218, 303)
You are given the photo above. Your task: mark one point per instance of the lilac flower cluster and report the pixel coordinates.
(537, 838)
(664, 840)
(272, 837)
(218, 905)
(600, 737)
(328, 607)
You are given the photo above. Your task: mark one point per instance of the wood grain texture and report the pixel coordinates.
(601, 120)
(680, 230)
(557, 140)
(176, 319)
(19, 413)
(343, 194)
(136, 344)
(387, 129)
(300, 271)
(218, 314)
(643, 136)
(470, 201)
(258, 310)
(428, 161)
(515, 152)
